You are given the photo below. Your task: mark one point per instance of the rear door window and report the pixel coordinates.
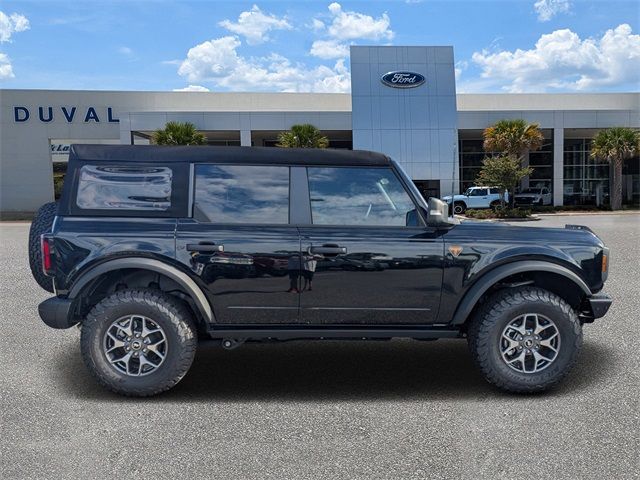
(141, 188)
(241, 194)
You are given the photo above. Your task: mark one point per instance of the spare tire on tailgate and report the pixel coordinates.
(42, 223)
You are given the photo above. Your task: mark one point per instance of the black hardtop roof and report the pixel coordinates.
(206, 154)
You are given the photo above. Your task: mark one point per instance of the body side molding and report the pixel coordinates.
(490, 278)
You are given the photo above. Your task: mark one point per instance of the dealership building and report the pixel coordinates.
(403, 102)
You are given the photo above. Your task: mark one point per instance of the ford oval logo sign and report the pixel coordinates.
(402, 79)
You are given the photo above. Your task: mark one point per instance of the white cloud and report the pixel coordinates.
(460, 67)
(354, 25)
(217, 61)
(255, 24)
(6, 70)
(547, 9)
(125, 51)
(316, 25)
(346, 26)
(10, 24)
(561, 60)
(329, 49)
(192, 88)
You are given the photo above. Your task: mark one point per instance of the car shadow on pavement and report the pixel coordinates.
(334, 370)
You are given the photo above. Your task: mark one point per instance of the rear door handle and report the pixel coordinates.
(204, 247)
(328, 250)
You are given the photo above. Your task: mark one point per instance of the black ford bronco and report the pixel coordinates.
(152, 248)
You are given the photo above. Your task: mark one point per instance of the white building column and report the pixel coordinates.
(558, 166)
(245, 138)
(125, 129)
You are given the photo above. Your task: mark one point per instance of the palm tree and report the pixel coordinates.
(302, 136)
(615, 145)
(514, 139)
(178, 133)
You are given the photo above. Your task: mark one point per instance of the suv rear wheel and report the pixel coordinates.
(525, 339)
(138, 342)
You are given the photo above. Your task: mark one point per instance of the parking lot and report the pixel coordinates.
(400, 409)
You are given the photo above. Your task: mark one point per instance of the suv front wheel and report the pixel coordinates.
(525, 339)
(459, 208)
(138, 342)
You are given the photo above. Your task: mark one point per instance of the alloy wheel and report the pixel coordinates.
(530, 343)
(135, 345)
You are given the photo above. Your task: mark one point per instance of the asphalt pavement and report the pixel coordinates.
(335, 409)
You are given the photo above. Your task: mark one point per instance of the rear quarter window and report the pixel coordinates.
(134, 188)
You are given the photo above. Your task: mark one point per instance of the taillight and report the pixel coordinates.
(45, 244)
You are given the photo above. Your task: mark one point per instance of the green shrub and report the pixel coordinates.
(498, 213)
(543, 209)
(58, 182)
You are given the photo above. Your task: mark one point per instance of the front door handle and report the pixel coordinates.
(204, 247)
(328, 249)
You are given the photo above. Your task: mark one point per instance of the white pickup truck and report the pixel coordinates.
(534, 196)
(475, 197)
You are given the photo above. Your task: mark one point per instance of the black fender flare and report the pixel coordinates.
(486, 281)
(181, 278)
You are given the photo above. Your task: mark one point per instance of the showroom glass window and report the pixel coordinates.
(472, 154)
(358, 196)
(124, 188)
(542, 163)
(241, 194)
(586, 180)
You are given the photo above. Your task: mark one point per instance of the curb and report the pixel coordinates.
(623, 212)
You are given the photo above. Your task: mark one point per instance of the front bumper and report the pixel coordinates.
(55, 312)
(599, 303)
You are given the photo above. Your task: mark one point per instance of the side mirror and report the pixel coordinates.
(438, 215)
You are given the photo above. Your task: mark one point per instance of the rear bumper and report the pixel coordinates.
(600, 303)
(55, 312)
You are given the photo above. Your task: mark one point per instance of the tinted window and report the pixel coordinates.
(478, 192)
(358, 196)
(241, 194)
(494, 191)
(128, 188)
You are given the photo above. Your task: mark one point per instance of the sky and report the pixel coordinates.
(303, 46)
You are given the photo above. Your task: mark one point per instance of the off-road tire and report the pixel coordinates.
(459, 208)
(495, 205)
(42, 222)
(486, 328)
(165, 310)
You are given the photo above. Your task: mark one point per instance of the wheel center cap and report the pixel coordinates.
(136, 345)
(528, 342)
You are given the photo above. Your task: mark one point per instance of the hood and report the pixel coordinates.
(501, 231)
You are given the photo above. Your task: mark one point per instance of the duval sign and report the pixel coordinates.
(402, 79)
(68, 114)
